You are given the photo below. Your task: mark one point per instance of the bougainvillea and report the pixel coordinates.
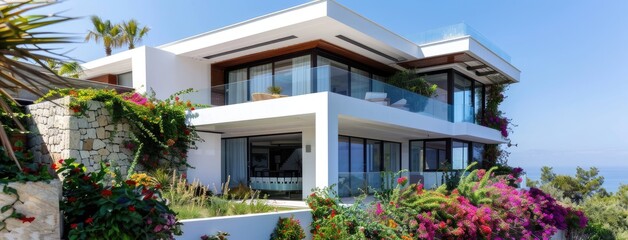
(288, 229)
(161, 135)
(483, 206)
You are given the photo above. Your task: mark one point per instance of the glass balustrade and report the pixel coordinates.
(332, 79)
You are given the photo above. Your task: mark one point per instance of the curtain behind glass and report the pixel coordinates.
(301, 76)
(236, 89)
(235, 157)
(459, 155)
(323, 73)
(261, 78)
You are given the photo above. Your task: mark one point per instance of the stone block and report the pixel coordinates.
(40, 200)
(91, 133)
(98, 144)
(100, 133)
(88, 144)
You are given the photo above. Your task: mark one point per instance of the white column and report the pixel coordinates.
(308, 137)
(326, 129)
(206, 161)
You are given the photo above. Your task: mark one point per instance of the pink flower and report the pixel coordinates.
(402, 181)
(158, 228)
(379, 209)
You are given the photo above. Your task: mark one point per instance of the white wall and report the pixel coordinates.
(206, 161)
(166, 73)
(309, 161)
(243, 227)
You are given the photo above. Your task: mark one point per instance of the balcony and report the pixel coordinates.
(456, 31)
(305, 80)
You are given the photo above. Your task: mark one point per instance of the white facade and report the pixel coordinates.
(320, 117)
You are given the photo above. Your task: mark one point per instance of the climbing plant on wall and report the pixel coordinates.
(161, 135)
(494, 118)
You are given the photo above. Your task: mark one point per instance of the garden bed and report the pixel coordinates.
(249, 226)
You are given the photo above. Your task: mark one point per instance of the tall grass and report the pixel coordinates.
(193, 200)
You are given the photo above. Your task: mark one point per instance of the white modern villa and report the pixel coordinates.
(333, 118)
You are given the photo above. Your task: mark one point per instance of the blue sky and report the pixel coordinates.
(571, 105)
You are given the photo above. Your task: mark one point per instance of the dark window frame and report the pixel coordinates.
(449, 151)
(450, 90)
(381, 157)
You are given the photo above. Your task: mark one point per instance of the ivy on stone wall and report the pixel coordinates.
(160, 134)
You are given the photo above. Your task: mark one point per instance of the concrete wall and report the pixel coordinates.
(40, 200)
(243, 227)
(206, 161)
(166, 73)
(58, 133)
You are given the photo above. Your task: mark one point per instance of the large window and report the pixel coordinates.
(361, 161)
(439, 154)
(294, 76)
(464, 94)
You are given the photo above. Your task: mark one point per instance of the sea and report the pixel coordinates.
(614, 176)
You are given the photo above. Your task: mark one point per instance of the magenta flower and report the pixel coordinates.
(402, 181)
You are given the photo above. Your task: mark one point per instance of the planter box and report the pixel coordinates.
(41, 200)
(249, 226)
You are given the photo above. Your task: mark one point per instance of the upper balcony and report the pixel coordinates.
(458, 31)
(306, 80)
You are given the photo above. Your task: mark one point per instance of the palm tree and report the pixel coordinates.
(132, 33)
(70, 69)
(23, 47)
(110, 34)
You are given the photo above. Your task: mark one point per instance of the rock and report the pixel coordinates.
(103, 152)
(88, 144)
(91, 133)
(100, 133)
(98, 144)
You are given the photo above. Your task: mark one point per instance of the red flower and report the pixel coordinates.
(89, 220)
(27, 219)
(54, 166)
(419, 188)
(86, 178)
(71, 199)
(130, 182)
(158, 186)
(192, 108)
(132, 208)
(61, 161)
(442, 225)
(486, 230)
(333, 213)
(176, 98)
(76, 170)
(186, 132)
(106, 193)
(73, 225)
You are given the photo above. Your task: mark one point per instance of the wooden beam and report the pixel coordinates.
(476, 67)
(482, 74)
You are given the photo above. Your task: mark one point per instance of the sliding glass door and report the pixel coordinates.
(234, 160)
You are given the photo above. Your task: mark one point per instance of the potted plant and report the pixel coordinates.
(275, 91)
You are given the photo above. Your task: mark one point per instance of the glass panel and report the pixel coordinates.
(261, 78)
(334, 78)
(435, 155)
(478, 100)
(360, 83)
(344, 185)
(440, 79)
(416, 156)
(293, 76)
(392, 157)
(237, 89)
(478, 153)
(235, 151)
(463, 100)
(357, 155)
(373, 155)
(459, 155)
(126, 79)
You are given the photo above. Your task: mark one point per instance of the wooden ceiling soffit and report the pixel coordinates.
(304, 47)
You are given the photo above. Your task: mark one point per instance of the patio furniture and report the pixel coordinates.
(377, 97)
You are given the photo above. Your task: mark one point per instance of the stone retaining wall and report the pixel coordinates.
(41, 200)
(59, 133)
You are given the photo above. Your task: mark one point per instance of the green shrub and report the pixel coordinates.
(288, 229)
(97, 208)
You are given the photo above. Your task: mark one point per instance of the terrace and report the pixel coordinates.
(305, 80)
